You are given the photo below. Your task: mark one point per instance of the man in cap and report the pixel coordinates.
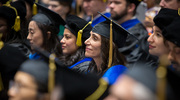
(171, 35)
(123, 11)
(171, 4)
(92, 7)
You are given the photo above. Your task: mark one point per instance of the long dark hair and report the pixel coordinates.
(52, 43)
(71, 59)
(118, 58)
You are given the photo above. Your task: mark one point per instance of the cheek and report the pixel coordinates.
(38, 39)
(27, 95)
(71, 47)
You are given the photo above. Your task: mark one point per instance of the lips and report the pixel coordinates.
(150, 46)
(63, 47)
(87, 49)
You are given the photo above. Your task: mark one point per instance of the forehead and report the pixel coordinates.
(172, 45)
(24, 77)
(33, 24)
(95, 34)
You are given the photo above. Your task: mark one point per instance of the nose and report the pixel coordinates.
(171, 56)
(12, 92)
(111, 5)
(50, 7)
(87, 41)
(150, 39)
(85, 4)
(62, 41)
(162, 3)
(29, 37)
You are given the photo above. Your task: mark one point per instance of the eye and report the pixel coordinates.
(158, 34)
(177, 50)
(67, 36)
(95, 38)
(30, 31)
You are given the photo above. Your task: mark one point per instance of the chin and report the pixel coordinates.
(87, 54)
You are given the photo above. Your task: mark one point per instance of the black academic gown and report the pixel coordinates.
(10, 60)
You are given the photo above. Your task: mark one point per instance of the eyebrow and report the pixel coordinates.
(94, 35)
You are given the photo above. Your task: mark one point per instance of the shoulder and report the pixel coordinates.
(139, 28)
(114, 72)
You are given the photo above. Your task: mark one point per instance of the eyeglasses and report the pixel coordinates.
(17, 86)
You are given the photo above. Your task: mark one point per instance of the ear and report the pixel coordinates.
(48, 34)
(131, 7)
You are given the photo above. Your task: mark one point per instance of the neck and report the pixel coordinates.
(124, 19)
(98, 62)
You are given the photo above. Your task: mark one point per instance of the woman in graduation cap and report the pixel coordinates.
(157, 42)
(30, 82)
(42, 32)
(102, 46)
(73, 47)
(12, 25)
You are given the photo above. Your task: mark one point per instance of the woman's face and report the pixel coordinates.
(68, 42)
(23, 87)
(58, 8)
(156, 43)
(3, 27)
(35, 35)
(93, 46)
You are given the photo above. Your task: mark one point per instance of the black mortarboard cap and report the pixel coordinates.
(48, 17)
(21, 8)
(10, 60)
(4, 1)
(39, 70)
(136, 2)
(119, 33)
(171, 32)
(144, 75)
(14, 12)
(165, 17)
(75, 85)
(75, 23)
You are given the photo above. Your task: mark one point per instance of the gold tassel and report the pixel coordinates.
(179, 11)
(52, 69)
(1, 83)
(34, 10)
(17, 24)
(110, 46)
(1, 42)
(99, 91)
(79, 41)
(161, 77)
(80, 32)
(104, 1)
(8, 2)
